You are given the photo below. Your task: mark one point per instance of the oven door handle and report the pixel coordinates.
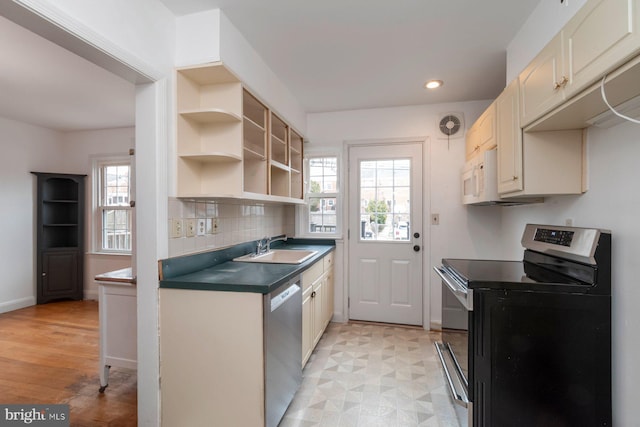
(460, 292)
(460, 399)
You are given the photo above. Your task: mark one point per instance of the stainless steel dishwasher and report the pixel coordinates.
(283, 348)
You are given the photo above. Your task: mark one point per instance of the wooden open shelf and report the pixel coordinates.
(229, 143)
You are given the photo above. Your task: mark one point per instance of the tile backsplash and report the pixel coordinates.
(237, 222)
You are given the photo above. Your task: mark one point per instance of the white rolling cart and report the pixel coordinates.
(118, 322)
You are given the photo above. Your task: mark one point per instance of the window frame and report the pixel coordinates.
(98, 209)
(303, 212)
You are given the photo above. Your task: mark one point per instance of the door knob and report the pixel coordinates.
(416, 235)
(416, 248)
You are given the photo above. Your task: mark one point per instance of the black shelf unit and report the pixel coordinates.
(60, 236)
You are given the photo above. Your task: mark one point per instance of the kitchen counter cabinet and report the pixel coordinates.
(212, 332)
(317, 303)
(211, 358)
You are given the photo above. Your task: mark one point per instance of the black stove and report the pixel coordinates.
(535, 348)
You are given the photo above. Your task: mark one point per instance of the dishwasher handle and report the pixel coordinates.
(283, 296)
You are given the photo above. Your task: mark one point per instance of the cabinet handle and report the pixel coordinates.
(313, 294)
(515, 178)
(562, 83)
(44, 274)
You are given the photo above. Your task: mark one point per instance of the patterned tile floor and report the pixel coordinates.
(371, 375)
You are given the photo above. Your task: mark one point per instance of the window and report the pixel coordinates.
(322, 195)
(114, 216)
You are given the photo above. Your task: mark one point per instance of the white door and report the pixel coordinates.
(385, 233)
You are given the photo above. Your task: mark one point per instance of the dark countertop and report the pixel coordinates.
(215, 271)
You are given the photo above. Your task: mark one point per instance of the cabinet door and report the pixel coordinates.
(307, 325)
(472, 142)
(509, 136)
(487, 128)
(603, 34)
(482, 135)
(541, 82)
(59, 276)
(327, 299)
(317, 296)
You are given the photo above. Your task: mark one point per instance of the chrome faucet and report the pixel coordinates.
(282, 237)
(262, 246)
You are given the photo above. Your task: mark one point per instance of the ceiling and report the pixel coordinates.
(332, 54)
(352, 54)
(46, 85)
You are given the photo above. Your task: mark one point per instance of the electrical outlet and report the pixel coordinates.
(214, 226)
(201, 227)
(190, 226)
(175, 228)
(435, 219)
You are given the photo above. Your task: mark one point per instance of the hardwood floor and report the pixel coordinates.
(50, 353)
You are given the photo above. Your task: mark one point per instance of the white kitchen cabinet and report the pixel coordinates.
(534, 163)
(541, 82)
(509, 138)
(481, 136)
(317, 303)
(230, 144)
(603, 35)
(212, 364)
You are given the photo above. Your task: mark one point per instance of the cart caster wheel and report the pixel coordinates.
(101, 389)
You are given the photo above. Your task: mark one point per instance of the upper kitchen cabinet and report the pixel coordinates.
(541, 82)
(534, 163)
(602, 36)
(229, 143)
(481, 136)
(209, 132)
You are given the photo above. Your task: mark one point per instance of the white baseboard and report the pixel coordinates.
(17, 304)
(435, 326)
(90, 295)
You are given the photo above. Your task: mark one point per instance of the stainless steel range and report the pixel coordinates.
(536, 350)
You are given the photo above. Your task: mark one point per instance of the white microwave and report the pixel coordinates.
(480, 182)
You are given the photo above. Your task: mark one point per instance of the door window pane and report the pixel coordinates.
(385, 188)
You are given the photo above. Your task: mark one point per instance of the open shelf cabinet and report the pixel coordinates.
(60, 236)
(230, 144)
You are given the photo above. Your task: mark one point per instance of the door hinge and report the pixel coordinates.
(348, 234)
(348, 302)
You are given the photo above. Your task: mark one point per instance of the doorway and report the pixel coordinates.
(385, 233)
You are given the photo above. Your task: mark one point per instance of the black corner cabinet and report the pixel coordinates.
(60, 234)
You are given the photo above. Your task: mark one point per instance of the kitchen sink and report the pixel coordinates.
(279, 256)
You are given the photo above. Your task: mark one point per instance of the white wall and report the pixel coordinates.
(25, 148)
(238, 54)
(463, 231)
(142, 35)
(612, 202)
(80, 148)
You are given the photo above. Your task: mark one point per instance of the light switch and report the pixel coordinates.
(190, 226)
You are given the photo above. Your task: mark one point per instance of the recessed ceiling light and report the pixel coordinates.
(433, 84)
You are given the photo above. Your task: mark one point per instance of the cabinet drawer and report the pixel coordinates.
(328, 262)
(312, 274)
